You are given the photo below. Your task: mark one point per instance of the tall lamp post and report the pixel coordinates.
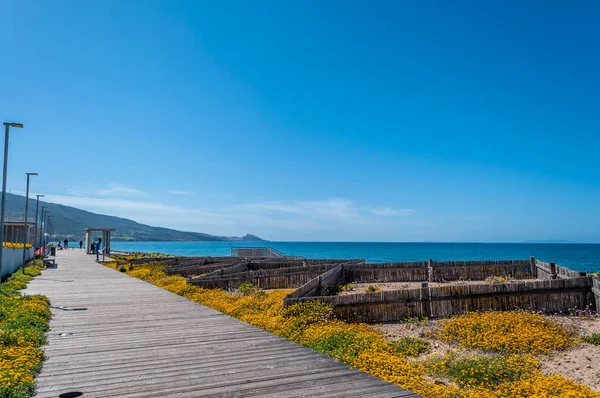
(48, 222)
(42, 236)
(35, 234)
(25, 220)
(7, 126)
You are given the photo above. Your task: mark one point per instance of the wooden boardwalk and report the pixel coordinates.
(130, 338)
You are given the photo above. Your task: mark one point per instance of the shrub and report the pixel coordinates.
(248, 288)
(494, 280)
(122, 269)
(23, 327)
(347, 287)
(411, 346)
(306, 313)
(484, 371)
(372, 289)
(342, 341)
(593, 339)
(414, 320)
(508, 332)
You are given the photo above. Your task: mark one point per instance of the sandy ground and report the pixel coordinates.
(581, 363)
(361, 287)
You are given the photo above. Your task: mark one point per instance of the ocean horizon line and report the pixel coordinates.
(531, 242)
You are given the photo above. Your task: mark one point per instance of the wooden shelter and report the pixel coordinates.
(105, 238)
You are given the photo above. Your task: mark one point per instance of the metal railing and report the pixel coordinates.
(260, 252)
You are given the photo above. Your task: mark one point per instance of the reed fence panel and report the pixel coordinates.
(550, 296)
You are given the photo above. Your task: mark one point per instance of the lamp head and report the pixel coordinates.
(15, 125)
(31, 174)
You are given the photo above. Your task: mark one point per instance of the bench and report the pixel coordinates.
(47, 261)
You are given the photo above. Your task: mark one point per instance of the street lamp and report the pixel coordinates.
(35, 234)
(25, 221)
(48, 227)
(46, 224)
(7, 126)
(42, 230)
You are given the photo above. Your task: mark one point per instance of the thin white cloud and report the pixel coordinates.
(331, 217)
(177, 192)
(335, 207)
(133, 209)
(120, 190)
(77, 192)
(391, 212)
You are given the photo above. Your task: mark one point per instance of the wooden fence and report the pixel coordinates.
(280, 278)
(558, 290)
(479, 270)
(553, 271)
(317, 286)
(189, 269)
(551, 296)
(386, 272)
(437, 271)
(596, 291)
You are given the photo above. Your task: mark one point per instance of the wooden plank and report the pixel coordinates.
(136, 340)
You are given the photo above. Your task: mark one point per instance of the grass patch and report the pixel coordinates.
(411, 346)
(484, 371)
(372, 289)
(23, 326)
(593, 339)
(248, 288)
(347, 287)
(307, 313)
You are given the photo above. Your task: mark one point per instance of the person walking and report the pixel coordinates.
(66, 242)
(81, 244)
(98, 246)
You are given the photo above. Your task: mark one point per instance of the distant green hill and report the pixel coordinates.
(70, 222)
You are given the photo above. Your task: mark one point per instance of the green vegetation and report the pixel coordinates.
(414, 320)
(372, 289)
(486, 371)
(593, 339)
(248, 288)
(23, 326)
(411, 346)
(307, 313)
(347, 288)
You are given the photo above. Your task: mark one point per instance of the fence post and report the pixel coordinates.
(552, 270)
(596, 292)
(430, 270)
(532, 265)
(319, 289)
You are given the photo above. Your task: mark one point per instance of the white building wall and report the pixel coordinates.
(12, 259)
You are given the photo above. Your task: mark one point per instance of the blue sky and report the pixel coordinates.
(312, 120)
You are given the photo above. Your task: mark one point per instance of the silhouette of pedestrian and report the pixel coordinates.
(98, 244)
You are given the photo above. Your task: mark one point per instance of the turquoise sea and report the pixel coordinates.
(580, 257)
